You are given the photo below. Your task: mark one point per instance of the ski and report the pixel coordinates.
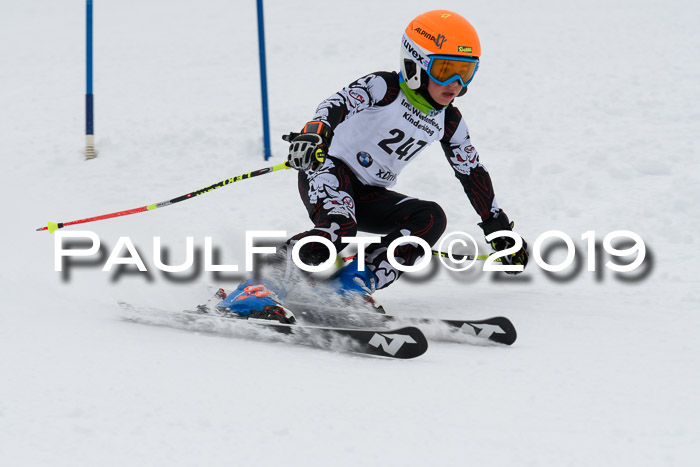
(496, 329)
(404, 342)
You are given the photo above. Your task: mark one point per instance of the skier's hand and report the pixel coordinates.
(308, 149)
(306, 152)
(495, 224)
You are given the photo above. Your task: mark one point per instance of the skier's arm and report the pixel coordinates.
(308, 149)
(476, 181)
(464, 160)
(376, 89)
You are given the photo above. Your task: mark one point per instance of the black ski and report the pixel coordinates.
(402, 342)
(406, 342)
(497, 329)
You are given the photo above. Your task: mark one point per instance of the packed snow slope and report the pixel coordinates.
(584, 112)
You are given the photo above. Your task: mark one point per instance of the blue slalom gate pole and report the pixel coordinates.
(263, 81)
(90, 152)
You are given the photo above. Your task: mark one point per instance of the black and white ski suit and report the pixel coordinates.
(377, 132)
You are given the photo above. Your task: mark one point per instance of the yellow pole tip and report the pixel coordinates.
(52, 226)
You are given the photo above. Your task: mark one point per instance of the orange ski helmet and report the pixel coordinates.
(439, 45)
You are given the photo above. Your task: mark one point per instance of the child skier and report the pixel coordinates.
(353, 150)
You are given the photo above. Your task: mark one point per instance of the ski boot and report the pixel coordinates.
(353, 284)
(253, 300)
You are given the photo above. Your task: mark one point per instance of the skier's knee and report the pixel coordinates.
(434, 221)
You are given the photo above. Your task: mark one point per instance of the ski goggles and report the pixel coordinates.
(445, 69)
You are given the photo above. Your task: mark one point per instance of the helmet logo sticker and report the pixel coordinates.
(439, 40)
(416, 55)
(464, 49)
(364, 159)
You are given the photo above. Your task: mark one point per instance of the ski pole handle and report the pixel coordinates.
(53, 226)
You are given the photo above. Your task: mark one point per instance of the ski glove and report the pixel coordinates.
(501, 222)
(308, 149)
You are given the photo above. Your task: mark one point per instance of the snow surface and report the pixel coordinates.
(586, 115)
